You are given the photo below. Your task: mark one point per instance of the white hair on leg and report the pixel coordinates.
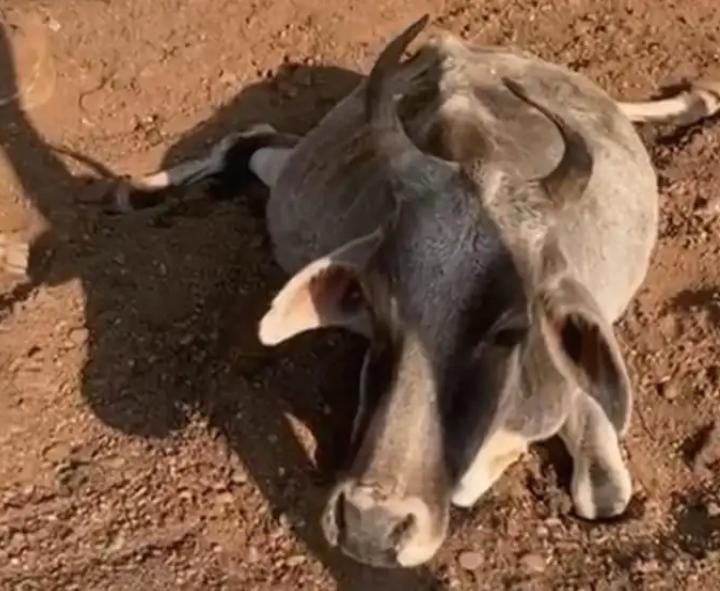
(197, 169)
(701, 100)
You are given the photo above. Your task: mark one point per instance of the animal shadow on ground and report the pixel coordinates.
(172, 304)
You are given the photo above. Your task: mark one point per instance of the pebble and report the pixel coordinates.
(553, 522)
(53, 25)
(79, 335)
(713, 509)
(229, 78)
(671, 389)
(225, 498)
(239, 477)
(533, 562)
(470, 560)
(117, 543)
(18, 542)
(670, 327)
(252, 554)
(647, 566)
(295, 560)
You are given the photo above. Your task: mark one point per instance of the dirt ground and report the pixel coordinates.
(148, 442)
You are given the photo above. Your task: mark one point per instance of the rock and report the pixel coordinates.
(533, 562)
(553, 522)
(470, 560)
(672, 388)
(560, 504)
(116, 543)
(295, 560)
(238, 476)
(18, 542)
(115, 462)
(52, 24)
(228, 78)
(253, 555)
(670, 327)
(225, 498)
(646, 566)
(79, 335)
(713, 509)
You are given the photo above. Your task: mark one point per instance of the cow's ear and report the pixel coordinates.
(327, 292)
(583, 346)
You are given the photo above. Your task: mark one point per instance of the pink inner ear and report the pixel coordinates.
(332, 292)
(325, 293)
(581, 343)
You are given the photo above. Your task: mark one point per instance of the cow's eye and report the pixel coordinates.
(352, 298)
(508, 337)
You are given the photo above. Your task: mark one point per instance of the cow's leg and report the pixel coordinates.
(601, 485)
(700, 100)
(257, 153)
(501, 450)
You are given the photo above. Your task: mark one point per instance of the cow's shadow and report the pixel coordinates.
(171, 309)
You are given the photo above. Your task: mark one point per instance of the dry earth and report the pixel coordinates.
(148, 442)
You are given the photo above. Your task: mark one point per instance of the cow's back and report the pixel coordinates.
(331, 189)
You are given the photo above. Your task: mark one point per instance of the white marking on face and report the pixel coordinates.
(498, 453)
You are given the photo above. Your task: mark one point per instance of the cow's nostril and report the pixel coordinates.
(340, 513)
(400, 531)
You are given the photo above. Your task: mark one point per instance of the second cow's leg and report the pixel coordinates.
(257, 153)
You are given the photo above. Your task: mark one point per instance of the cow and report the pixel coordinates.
(482, 217)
